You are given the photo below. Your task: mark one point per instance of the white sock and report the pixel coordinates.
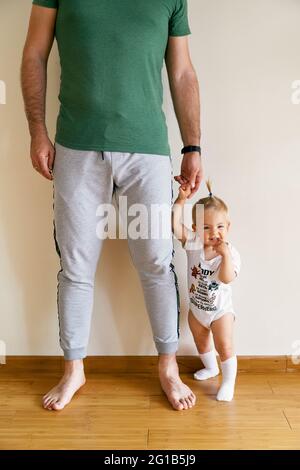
(211, 368)
(229, 370)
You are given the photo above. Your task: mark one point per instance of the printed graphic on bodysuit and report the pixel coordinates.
(203, 291)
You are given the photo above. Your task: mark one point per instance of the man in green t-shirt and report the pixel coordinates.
(112, 138)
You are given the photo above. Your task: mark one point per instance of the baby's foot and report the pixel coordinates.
(204, 374)
(210, 369)
(226, 392)
(229, 370)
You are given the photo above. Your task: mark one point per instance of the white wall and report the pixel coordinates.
(246, 55)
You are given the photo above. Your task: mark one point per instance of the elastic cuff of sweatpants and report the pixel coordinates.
(73, 354)
(167, 348)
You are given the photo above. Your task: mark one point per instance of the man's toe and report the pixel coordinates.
(58, 405)
(177, 405)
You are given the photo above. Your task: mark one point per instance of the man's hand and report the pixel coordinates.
(42, 155)
(191, 172)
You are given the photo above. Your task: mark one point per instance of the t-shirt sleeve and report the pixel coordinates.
(179, 23)
(46, 3)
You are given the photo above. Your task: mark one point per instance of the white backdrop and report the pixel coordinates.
(246, 56)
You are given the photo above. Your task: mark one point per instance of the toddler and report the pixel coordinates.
(213, 263)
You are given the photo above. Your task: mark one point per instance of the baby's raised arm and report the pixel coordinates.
(179, 229)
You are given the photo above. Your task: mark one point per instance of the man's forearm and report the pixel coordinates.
(34, 83)
(186, 100)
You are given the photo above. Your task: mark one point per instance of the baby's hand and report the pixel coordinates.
(221, 247)
(184, 192)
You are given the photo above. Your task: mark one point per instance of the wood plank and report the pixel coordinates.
(210, 414)
(292, 365)
(129, 410)
(13, 440)
(289, 386)
(262, 363)
(292, 414)
(237, 439)
(97, 441)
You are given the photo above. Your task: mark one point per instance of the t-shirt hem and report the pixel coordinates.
(221, 311)
(112, 148)
(180, 34)
(41, 3)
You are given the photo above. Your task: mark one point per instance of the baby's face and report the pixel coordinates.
(216, 225)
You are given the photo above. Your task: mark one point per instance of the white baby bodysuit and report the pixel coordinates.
(210, 298)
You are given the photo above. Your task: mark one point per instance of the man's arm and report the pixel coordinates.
(36, 51)
(185, 94)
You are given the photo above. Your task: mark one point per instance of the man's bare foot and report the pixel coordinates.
(179, 395)
(60, 395)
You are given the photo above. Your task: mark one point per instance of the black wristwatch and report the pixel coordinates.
(191, 148)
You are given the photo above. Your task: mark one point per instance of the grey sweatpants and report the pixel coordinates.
(82, 181)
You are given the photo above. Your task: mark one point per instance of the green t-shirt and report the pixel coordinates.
(111, 55)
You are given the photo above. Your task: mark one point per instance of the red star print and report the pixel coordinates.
(195, 272)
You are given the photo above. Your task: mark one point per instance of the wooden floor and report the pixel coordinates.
(129, 411)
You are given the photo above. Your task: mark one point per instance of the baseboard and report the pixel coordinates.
(141, 364)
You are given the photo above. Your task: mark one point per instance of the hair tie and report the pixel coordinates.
(210, 194)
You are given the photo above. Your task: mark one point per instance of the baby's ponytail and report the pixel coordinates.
(208, 185)
(210, 202)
